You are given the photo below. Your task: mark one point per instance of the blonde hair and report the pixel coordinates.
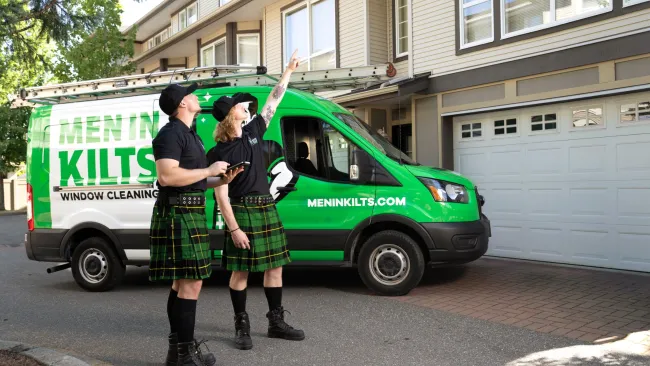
(225, 130)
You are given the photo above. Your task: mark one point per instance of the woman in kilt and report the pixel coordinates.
(179, 242)
(255, 238)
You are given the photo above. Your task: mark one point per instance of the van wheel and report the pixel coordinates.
(391, 263)
(95, 265)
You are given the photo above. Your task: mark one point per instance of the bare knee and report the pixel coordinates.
(274, 273)
(189, 289)
(238, 280)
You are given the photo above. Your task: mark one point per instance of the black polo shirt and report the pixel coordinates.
(253, 180)
(177, 141)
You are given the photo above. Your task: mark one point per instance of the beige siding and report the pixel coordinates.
(151, 65)
(191, 61)
(378, 35)
(221, 32)
(434, 37)
(246, 26)
(273, 36)
(206, 7)
(352, 33)
(174, 24)
(176, 61)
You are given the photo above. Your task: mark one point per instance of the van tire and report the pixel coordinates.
(95, 265)
(384, 256)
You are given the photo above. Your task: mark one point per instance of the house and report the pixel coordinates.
(545, 104)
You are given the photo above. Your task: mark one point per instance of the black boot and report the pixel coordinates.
(189, 354)
(172, 352)
(279, 329)
(243, 331)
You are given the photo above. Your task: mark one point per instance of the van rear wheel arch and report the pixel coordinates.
(83, 231)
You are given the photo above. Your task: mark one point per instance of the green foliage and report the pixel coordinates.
(13, 125)
(50, 41)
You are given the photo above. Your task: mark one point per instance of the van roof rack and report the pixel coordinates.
(208, 76)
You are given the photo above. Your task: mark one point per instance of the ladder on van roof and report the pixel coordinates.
(208, 76)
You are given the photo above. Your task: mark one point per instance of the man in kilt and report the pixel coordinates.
(255, 238)
(179, 242)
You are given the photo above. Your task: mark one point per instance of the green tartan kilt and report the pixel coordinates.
(179, 243)
(261, 224)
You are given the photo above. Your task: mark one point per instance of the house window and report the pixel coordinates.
(158, 38)
(505, 126)
(401, 28)
(223, 2)
(187, 16)
(587, 117)
(543, 122)
(477, 22)
(214, 53)
(310, 27)
(633, 2)
(248, 49)
(635, 112)
(523, 16)
(469, 130)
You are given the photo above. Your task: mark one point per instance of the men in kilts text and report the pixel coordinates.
(255, 238)
(179, 243)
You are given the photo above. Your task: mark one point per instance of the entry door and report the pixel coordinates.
(317, 201)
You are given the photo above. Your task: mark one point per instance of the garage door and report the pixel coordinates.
(566, 183)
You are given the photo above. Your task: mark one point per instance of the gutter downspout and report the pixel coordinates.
(410, 30)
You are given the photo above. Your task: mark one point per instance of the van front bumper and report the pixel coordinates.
(458, 242)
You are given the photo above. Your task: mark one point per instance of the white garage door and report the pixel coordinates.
(565, 183)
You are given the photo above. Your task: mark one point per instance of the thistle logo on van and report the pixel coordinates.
(356, 202)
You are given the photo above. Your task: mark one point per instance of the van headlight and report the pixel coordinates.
(443, 191)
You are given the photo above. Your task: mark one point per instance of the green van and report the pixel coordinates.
(347, 197)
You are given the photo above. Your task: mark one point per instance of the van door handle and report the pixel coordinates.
(287, 189)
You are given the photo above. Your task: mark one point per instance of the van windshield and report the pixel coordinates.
(375, 138)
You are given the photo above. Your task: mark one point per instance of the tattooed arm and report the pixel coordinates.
(278, 92)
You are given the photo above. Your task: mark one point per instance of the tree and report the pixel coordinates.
(44, 41)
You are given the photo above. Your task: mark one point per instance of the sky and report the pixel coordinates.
(134, 10)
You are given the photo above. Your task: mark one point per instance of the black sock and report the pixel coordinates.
(273, 296)
(185, 311)
(170, 310)
(238, 300)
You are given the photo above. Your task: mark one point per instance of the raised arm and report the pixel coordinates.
(268, 111)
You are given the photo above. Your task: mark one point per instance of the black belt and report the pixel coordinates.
(253, 200)
(181, 199)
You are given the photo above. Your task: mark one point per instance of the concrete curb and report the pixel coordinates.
(48, 356)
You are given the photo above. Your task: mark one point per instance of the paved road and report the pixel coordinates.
(343, 323)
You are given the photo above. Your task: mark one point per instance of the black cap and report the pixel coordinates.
(172, 96)
(221, 107)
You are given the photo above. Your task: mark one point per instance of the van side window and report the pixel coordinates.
(315, 148)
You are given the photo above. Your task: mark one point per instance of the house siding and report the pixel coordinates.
(434, 35)
(378, 35)
(206, 7)
(352, 32)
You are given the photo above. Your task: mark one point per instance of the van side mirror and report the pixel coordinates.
(361, 166)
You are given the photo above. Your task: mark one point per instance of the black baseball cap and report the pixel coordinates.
(221, 107)
(172, 95)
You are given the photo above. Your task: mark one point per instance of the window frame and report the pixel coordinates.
(633, 2)
(543, 113)
(505, 126)
(603, 109)
(326, 154)
(213, 44)
(553, 23)
(308, 5)
(151, 40)
(636, 121)
(224, 2)
(184, 11)
(471, 130)
(256, 35)
(461, 22)
(396, 35)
